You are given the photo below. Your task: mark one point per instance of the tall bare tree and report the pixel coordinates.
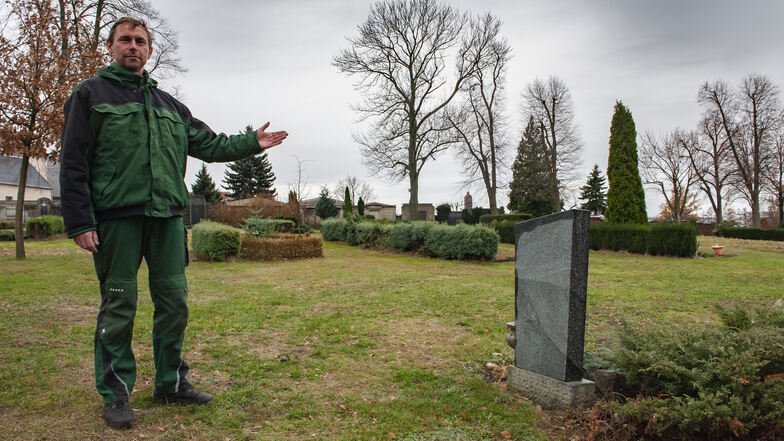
(399, 59)
(749, 117)
(357, 188)
(479, 120)
(711, 160)
(299, 189)
(774, 175)
(665, 165)
(550, 104)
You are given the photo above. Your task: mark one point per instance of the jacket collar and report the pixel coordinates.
(128, 79)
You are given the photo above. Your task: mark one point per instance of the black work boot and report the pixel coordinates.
(118, 415)
(186, 395)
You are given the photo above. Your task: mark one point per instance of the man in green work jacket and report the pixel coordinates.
(124, 150)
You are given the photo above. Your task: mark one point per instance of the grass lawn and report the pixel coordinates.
(358, 345)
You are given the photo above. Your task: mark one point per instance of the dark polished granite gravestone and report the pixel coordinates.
(551, 270)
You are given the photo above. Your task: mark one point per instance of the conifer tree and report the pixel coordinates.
(625, 197)
(593, 192)
(205, 186)
(250, 176)
(531, 188)
(361, 207)
(348, 207)
(325, 206)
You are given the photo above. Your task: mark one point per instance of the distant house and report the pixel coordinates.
(37, 186)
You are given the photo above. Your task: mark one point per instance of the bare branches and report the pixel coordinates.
(665, 165)
(749, 118)
(550, 104)
(398, 60)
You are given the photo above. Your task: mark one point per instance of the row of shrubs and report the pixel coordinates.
(35, 228)
(700, 381)
(462, 242)
(658, 239)
(504, 224)
(776, 234)
(260, 241)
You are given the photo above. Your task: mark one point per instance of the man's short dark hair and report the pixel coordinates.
(134, 22)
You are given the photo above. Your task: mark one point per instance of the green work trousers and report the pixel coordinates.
(123, 244)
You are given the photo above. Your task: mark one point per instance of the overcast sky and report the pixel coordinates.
(251, 61)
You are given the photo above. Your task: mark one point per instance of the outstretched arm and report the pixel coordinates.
(269, 139)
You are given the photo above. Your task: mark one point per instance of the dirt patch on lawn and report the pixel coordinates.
(430, 342)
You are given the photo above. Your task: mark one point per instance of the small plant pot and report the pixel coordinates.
(717, 250)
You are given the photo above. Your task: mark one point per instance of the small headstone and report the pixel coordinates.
(551, 270)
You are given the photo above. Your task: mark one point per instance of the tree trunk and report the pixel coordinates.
(20, 196)
(755, 211)
(413, 199)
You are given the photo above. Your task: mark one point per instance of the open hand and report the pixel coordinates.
(87, 240)
(269, 139)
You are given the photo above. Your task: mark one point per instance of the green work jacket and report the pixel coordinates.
(124, 149)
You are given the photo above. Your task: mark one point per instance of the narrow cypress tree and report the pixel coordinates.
(593, 192)
(531, 188)
(626, 197)
(348, 207)
(204, 186)
(361, 207)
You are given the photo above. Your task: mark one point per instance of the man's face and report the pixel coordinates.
(130, 48)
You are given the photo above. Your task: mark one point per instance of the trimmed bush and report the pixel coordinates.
(461, 242)
(291, 218)
(334, 230)
(259, 227)
(216, 241)
(505, 230)
(281, 246)
(672, 239)
(701, 381)
(44, 226)
(619, 237)
(776, 234)
(367, 233)
(7, 236)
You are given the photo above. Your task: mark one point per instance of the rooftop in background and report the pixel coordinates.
(9, 173)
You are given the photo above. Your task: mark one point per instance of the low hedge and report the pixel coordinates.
(700, 381)
(44, 226)
(776, 234)
(281, 246)
(216, 241)
(7, 236)
(517, 217)
(437, 240)
(672, 239)
(619, 237)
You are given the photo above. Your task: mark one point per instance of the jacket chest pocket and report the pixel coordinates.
(173, 138)
(120, 141)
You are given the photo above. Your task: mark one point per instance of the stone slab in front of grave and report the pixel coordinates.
(551, 271)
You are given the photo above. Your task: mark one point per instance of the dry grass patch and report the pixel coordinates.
(428, 342)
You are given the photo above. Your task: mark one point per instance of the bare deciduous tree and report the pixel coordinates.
(711, 160)
(299, 190)
(550, 104)
(356, 189)
(665, 165)
(749, 117)
(774, 174)
(399, 58)
(479, 121)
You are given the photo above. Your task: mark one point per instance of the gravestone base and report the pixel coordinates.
(550, 393)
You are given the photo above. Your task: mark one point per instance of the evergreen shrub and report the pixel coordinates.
(216, 241)
(505, 230)
(672, 239)
(516, 217)
(44, 226)
(776, 234)
(443, 241)
(281, 246)
(334, 230)
(619, 237)
(7, 236)
(260, 227)
(461, 242)
(291, 218)
(701, 381)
